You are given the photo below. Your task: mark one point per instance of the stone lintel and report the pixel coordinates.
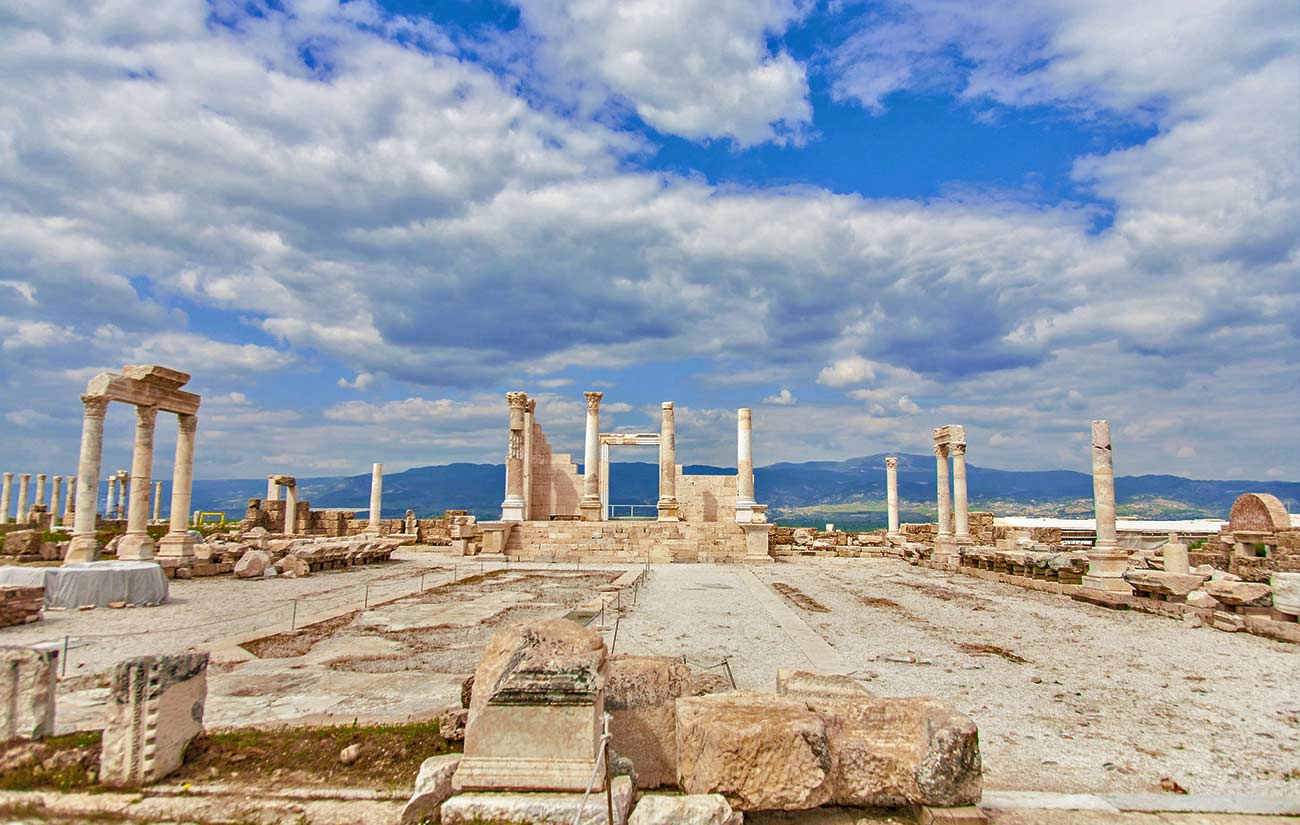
(950, 434)
(157, 375)
(630, 439)
(116, 387)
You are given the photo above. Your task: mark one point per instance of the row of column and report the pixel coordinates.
(22, 511)
(954, 516)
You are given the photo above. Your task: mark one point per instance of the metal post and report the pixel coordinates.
(367, 603)
(64, 664)
(293, 618)
(617, 621)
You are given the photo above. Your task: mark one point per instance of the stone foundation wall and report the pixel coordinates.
(809, 541)
(556, 485)
(706, 498)
(20, 604)
(626, 541)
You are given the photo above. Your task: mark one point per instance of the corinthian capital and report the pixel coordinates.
(958, 449)
(517, 400)
(95, 405)
(891, 463)
(593, 400)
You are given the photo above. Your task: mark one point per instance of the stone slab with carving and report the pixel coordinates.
(28, 680)
(155, 708)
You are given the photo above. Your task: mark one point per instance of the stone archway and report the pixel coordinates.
(1258, 513)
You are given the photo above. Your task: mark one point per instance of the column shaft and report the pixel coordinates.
(960, 515)
(290, 509)
(944, 494)
(83, 546)
(157, 501)
(512, 507)
(668, 506)
(110, 500)
(24, 481)
(272, 489)
(40, 489)
(744, 466)
(376, 495)
(178, 543)
(70, 501)
(590, 505)
(529, 412)
(6, 497)
(891, 493)
(56, 491)
(136, 544)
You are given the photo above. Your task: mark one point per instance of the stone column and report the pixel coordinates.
(157, 501)
(960, 515)
(123, 492)
(272, 489)
(6, 496)
(891, 493)
(56, 490)
(110, 498)
(24, 480)
(530, 410)
(136, 544)
(376, 496)
(512, 508)
(945, 496)
(83, 546)
(71, 501)
(178, 543)
(744, 465)
(668, 509)
(290, 509)
(1106, 560)
(40, 489)
(589, 506)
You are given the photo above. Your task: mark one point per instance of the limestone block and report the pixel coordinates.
(451, 723)
(155, 708)
(432, 788)
(1174, 555)
(1199, 598)
(809, 683)
(293, 567)
(641, 696)
(697, 809)
(252, 564)
(1286, 593)
(1159, 581)
(536, 709)
(1240, 594)
(23, 543)
(537, 808)
(28, 680)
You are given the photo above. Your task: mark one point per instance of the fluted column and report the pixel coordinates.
(891, 493)
(589, 507)
(6, 497)
(530, 411)
(136, 544)
(272, 489)
(944, 494)
(71, 501)
(40, 489)
(24, 482)
(668, 507)
(1106, 560)
(56, 492)
(512, 507)
(744, 465)
(157, 501)
(178, 543)
(83, 546)
(376, 496)
(961, 517)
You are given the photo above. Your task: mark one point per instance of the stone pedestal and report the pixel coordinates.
(757, 548)
(495, 536)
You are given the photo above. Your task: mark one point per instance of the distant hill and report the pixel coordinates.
(850, 493)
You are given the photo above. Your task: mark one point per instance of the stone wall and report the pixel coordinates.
(626, 541)
(20, 604)
(809, 541)
(556, 485)
(706, 498)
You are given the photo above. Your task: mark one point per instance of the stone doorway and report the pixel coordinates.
(624, 512)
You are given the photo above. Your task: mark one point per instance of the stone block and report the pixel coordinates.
(432, 788)
(538, 808)
(1163, 583)
(23, 544)
(252, 564)
(1240, 594)
(155, 708)
(1199, 598)
(1286, 593)
(692, 809)
(809, 683)
(28, 681)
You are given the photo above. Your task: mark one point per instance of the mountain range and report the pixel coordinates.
(850, 493)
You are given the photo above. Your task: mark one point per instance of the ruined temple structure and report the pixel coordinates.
(1260, 539)
(550, 511)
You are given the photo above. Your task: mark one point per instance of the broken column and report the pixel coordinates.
(40, 489)
(961, 519)
(891, 493)
(512, 507)
(28, 680)
(1106, 560)
(744, 466)
(376, 496)
(83, 546)
(668, 508)
(24, 481)
(136, 544)
(589, 507)
(178, 543)
(155, 708)
(272, 489)
(56, 492)
(6, 493)
(157, 501)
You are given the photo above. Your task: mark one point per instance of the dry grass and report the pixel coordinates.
(992, 650)
(799, 598)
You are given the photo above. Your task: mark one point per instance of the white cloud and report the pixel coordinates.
(783, 398)
(851, 370)
(363, 381)
(908, 406)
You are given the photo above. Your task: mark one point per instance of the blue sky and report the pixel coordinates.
(359, 224)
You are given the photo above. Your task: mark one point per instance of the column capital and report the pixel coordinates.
(24, 476)
(891, 463)
(593, 400)
(667, 405)
(517, 400)
(187, 423)
(531, 406)
(957, 449)
(9, 476)
(941, 450)
(146, 414)
(94, 406)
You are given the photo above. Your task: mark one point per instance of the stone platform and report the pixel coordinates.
(631, 541)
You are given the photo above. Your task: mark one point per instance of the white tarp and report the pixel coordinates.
(1205, 526)
(98, 582)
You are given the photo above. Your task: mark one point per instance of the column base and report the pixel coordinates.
(591, 510)
(669, 510)
(177, 546)
(757, 547)
(744, 512)
(135, 547)
(82, 549)
(512, 510)
(945, 553)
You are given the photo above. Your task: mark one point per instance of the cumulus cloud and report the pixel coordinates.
(846, 371)
(363, 381)
(783, 398)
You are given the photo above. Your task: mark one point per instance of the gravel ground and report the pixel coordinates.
(1105, 701)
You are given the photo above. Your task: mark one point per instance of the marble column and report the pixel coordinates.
(589, 506)
(1106, 560)
(136, 544)
(376, 497)
(668, 507)
(961, 517)
(70, 501)
(530, 410)
(24, 480)
(744, 465)
(110, 499)
(83, 546)
(290, 509)
(123, 492)
(891, 493)
(512, 507)
(40, 489)
(944, 494)
(178, 543)
(272, 489)
(157, 501)
(56, 491)
(6, 497)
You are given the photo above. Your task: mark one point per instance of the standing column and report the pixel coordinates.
(1106, 560)
(945, 496)
(136, 544)
(272, 489)
(744, 465)
(376, 496)
(530, 410)
(512, 508)
(157, 501)
(23, 481)
(55, 492)
(178, 543)
(71, 501)
(83, 546)
(668, 508)
(110, 498)
(6, 493)
(961, 516)
(40, 489)
(589, 507)
(123, 492)
(891, 493)
(290, 508)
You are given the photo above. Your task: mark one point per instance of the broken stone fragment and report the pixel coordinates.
(155, 708)
(1199, 598)
(1286, 593)
(252, 564)
(28, 680)
(1168, 584)
(1240, 594)
(809, 683)
(451, 723)
(432, 788)
(698, 809)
